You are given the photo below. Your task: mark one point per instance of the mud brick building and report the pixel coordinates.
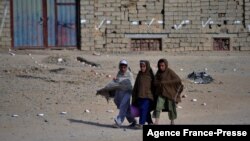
(124, 25)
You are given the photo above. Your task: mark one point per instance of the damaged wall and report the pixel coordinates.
(182, 25)
(188, 25)
(113, 19)
(206, 19)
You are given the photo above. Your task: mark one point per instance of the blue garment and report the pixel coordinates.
(123, 104)
(144, 105)
(122, 97)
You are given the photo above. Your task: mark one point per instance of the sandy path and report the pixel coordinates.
(27, 89)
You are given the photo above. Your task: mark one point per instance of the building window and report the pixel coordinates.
(220, 15)
(221, 44)
(146, 44)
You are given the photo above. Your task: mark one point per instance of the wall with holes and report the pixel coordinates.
(197, 22)
(5, 32)
(184, 25)
(105, 23)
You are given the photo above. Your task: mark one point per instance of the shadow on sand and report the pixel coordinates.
(96, 124)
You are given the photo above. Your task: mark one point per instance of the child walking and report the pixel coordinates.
(123, 96)
(143, 93)
(168, 87)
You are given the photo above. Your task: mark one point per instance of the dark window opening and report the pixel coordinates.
(220, 15)
(221, 44)
(225, 22)
(162, 12)
(146, 44)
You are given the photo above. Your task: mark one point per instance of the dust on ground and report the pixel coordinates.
(51, 82)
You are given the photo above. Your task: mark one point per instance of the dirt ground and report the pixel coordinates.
(50, 82)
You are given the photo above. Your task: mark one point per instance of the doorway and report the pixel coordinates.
(44, 24)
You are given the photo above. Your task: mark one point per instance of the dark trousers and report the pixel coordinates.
(144, 106)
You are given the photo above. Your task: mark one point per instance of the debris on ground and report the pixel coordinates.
(108, 76)
(184, 96)
(59, 60)
(15, 115)
(179, 107)
(12, 54)
(194, 100)
(63, 113)
(56, 70)
(87, 111)
(200, 78)
(204, 104)
(96, 54)
(110, 111)
(88, 62)
(40, 115)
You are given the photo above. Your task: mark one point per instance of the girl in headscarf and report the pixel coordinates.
(122, 96)
(143, 93)
(168, 88)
